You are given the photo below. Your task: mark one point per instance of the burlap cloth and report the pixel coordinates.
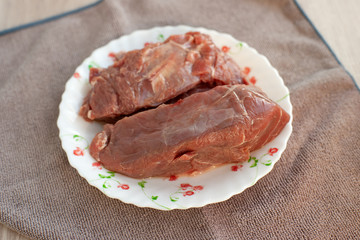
(313, 192)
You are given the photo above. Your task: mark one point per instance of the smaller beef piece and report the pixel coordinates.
(148, 77)
(221, 125)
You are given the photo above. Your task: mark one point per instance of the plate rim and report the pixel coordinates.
(163, 28)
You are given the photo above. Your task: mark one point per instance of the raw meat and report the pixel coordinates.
(221, 125)
(151, 76)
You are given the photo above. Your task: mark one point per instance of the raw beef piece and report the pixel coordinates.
(202, 87)
(222, 125)
(161, 71)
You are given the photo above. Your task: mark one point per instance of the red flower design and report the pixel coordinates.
(198, 188)
(236, 167)
(253, 80)
(78, 152)
(97, 164)
(188, 193)
(225, 49)
(272, 151)
(123, 186)
(112, 55)
(185, 186)
(76, 75)
(172, 178)
(246, 70)
(146, 44)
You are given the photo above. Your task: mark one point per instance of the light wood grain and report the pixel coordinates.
(337, 21)
(8, 234)
(18, 12)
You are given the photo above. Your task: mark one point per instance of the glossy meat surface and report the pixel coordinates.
(222, 125)
(155, 74)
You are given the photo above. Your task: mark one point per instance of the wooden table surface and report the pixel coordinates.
(335, 20)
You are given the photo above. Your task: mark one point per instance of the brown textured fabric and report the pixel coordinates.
(313, 192)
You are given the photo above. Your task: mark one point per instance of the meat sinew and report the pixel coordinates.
(222, 125)
(150, 76)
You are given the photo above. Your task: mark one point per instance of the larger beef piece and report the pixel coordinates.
(222, 125)
(150, 76)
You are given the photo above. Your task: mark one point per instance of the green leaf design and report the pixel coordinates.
(240, 45)
(283, 98)
(112, 174)
(142, 184)
(255, 161)
(267, 163)
(93, 64)
(174, 199)
(154, 197)
(106, 185)
(161, 37)
(80, 138)
(254, 164)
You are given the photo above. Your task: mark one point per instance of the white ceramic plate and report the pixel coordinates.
(170, 193)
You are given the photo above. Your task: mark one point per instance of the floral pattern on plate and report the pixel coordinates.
(175, 192)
